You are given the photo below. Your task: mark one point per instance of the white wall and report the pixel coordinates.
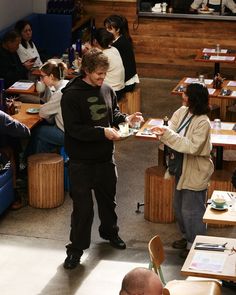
(13, 10)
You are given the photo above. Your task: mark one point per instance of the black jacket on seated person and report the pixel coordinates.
(11, 68)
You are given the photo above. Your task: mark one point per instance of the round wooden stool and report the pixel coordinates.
(158, 195)
(46, 180)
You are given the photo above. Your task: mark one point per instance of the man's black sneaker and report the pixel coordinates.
(117, 242)
(71, 261)
(180, 244)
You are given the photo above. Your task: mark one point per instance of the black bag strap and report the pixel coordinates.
(185, 124)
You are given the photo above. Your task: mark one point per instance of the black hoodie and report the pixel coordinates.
(86, 111)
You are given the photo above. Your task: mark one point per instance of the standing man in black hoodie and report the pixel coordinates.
(90, 113)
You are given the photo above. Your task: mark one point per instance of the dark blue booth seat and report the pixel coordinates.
(51, 32)
(6, 189)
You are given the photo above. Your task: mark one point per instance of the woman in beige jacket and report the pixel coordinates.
(197, 167)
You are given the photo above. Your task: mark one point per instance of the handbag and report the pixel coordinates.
(175, 159)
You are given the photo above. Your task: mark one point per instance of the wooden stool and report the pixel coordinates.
(123, 105)
(46, 180)
(134, 100)
(220, 180)
(158, 196)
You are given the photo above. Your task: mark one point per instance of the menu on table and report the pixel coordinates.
(22, 85)
(222, 58)
(208, 261)
(212, 50)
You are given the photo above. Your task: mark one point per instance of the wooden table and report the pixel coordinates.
(30, 120)
(217, 96)
(221, 217)
(209, 55)
(225, 137)
(229, 266)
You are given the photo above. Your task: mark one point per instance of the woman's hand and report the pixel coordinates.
(158, 131)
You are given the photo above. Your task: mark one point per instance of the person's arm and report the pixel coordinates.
(51, 108)
(11, 127)
(231, 5)
(196, 3)
(192, 144)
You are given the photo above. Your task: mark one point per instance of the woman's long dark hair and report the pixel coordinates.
(19, 27)
(198, 99)
(118, 22)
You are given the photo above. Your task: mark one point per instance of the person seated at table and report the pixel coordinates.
(27, 49)
(118, 26)
(189, 133)
(116, 73)
(50, 134)
(141, 280)
(11, 67)
(11, 131)
(217, 5)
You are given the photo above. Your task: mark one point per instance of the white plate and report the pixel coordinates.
(33, 110)
(125, 136)
(225, 207)
(209, 11)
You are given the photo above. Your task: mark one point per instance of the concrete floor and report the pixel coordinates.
(32, 241)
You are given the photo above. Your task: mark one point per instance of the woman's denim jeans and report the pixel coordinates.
(189, 207)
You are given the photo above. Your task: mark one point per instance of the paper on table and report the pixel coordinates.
(155, 122)
(212, 50)
(208, 261)
(194, 80)
(222, 139)
(22, 85)
(220, 57)
(211, 90)
(231, 83)
(233, 93)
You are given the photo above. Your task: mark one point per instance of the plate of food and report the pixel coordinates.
(206, 10)
(32, 111)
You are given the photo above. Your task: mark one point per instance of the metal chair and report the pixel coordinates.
(178, 287)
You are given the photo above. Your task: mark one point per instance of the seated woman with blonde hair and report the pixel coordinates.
(50, 134)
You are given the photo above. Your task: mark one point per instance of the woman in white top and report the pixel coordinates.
(27, 49)
(50, 134)
(115, 76)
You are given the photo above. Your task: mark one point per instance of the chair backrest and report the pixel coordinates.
(157, 256)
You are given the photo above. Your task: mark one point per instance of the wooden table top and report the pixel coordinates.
(219, 93)
(223, 137)
(30, 120)
(212, 258)
(221, 216)
(211, 56)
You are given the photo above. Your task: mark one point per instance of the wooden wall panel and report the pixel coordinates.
(166, 47)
